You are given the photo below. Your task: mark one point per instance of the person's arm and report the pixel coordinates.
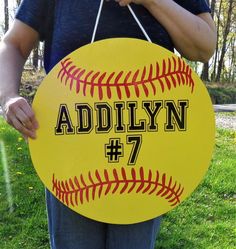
(14, 51)
(194, 36)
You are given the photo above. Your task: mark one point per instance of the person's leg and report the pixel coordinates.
(69, 230)
(135, 236)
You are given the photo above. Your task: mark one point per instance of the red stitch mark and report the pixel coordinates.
(76, 191)
(174, 73)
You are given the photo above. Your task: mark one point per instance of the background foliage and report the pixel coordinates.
(219, 72)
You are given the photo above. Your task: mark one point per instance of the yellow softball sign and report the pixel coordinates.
(126, 131)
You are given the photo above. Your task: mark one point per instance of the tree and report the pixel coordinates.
(232, 65)
(205, 70)
(18, 2)
(6, 13)
(225, 37)
(36, 57)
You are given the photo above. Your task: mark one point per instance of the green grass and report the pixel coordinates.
(26, 226)
(206, 220)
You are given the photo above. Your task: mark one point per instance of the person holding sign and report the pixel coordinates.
(65, 26)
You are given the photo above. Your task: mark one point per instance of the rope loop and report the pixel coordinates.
(131, 11)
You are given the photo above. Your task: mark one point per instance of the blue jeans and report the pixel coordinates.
(69, 230)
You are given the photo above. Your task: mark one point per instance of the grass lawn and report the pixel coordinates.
(206, 220)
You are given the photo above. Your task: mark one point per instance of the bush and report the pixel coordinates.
(222, 94)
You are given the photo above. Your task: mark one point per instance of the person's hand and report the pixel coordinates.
(19, 114)
(126, 2)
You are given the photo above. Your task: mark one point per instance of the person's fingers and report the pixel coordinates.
(25, 137)
(123, 2)
(20, 115)
(31, 119)
(24, 119)
(21, 128)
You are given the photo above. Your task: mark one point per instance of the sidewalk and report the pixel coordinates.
(225, 108)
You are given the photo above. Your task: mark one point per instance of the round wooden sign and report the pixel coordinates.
(126, 130)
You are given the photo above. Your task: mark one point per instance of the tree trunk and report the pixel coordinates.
(35, 57)
(213, 6)
(213, 77)
(225, 36)
(205, 72)
(232, 67)
(6, 13)
(18, 2)
(205, 69)
(41, 53)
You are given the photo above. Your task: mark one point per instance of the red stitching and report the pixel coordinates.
(174, 73)
(77, 190)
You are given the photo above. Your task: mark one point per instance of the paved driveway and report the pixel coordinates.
(225, 108)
